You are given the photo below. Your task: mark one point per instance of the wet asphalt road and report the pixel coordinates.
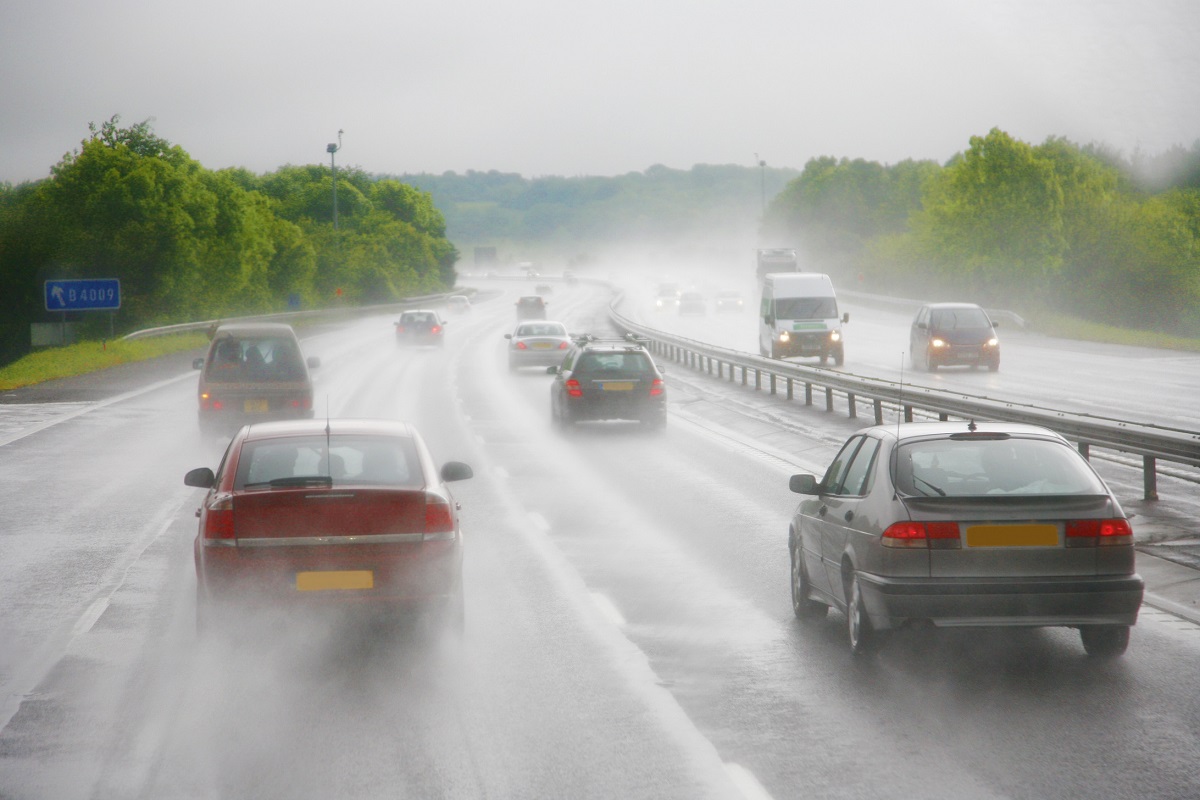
(629, 632)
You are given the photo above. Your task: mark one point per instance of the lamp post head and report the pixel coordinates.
(331, 148)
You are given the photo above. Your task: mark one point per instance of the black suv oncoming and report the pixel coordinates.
(603, 379)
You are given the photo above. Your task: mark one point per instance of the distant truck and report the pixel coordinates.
(776, 260)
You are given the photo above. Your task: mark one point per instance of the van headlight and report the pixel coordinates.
(784, 336)
(834, 336)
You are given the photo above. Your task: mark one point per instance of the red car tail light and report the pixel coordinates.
(657, 387)
(932, 535)
(573, 388)
(436, 329)
(218, 518)
(1098, 532)
(439, 519)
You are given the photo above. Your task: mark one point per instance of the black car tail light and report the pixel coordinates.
(574, 389)
(657, 387)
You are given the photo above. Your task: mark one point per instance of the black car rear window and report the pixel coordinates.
(619, 363)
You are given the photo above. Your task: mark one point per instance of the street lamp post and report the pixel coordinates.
(332, 149)
(762, 171)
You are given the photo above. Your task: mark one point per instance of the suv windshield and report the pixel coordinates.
(947, 319)
(805, 308)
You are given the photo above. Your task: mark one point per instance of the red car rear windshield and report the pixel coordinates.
(349, 460)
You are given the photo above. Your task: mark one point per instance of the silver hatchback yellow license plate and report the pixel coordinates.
(1023, 535)
(335, 579)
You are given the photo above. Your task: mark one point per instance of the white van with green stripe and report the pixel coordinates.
(798, 317)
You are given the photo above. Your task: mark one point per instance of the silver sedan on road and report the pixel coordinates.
(537, 343)
(957, 524)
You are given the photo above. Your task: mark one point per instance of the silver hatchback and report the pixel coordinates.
(963, 524)
(542, 343)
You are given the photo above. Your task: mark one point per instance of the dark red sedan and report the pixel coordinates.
(339, 511)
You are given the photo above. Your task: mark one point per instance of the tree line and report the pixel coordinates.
(188, 243)
(1079, 230)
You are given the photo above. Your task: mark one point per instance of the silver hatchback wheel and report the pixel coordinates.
(803, 606)
(858, 625)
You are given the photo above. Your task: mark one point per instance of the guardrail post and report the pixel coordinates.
(789, 388)
(772, 383)
(943, 416)
(829, 398)
(853, 406)
(1085, 450)
(807, 393)
(757, 379)
(908, 413)
(744, 370)
(1150, 477)
(878, 411)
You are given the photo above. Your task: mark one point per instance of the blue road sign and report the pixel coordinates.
(102, 294)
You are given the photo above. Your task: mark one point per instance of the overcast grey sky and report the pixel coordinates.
(555, 87)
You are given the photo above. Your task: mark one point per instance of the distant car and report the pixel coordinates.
(421, 326)
(531, 307)
(691, 302)
(253, 372)
(943, 334)
(666, 297)
(544, 289)
(340, 511)
(607, 379)
(728, 300)
(962, 525)
(570, 277)
(539, 343)
(458, 304)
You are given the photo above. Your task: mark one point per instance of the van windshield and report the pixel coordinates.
(805, 308)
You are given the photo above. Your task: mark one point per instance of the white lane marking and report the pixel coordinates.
(609, 609)
(539, 522)
(27, 676)
(94, 406)
(500, 472)
(85, 622)
(746, 783)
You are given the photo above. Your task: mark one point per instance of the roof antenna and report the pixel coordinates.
(900, 398)
(328, 450)
(971, 426)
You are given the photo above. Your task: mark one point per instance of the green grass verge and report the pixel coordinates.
(1089, 331)
(85, 357)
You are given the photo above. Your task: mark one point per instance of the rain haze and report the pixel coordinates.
(537, 87)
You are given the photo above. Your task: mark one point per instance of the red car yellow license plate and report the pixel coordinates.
(331, 579)
(1027, 535)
